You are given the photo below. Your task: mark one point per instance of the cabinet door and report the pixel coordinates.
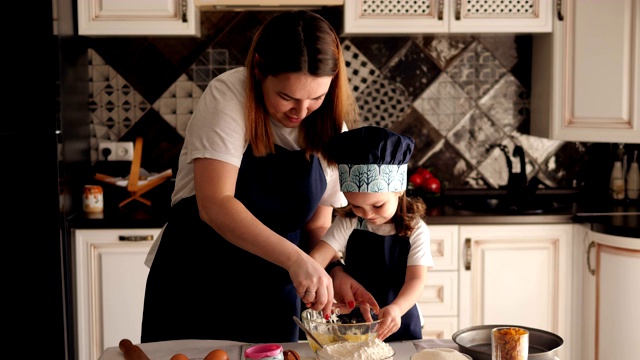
(586, 76)
(444, 16)
(149, 17)
(517, 274)
(615, 298)
(482, 16)
(110, 282)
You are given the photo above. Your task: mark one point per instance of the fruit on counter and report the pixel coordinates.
(432, 184)
(217, 354)
(179, 356)
(291, 355)
(424, 179)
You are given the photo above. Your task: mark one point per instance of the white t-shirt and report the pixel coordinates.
(420, 248)
(217, 131)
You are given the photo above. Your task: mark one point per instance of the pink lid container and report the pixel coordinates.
(264, 351)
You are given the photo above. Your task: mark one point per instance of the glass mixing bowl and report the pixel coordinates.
(346, 327)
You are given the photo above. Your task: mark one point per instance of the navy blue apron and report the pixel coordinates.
(379, 263)
(200, 286)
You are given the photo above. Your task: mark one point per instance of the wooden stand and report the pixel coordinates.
(133, 186)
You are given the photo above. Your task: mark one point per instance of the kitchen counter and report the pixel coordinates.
(605, 216)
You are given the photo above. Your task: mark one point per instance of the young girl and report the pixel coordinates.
(380, 233)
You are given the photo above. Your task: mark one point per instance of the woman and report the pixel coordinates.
(252, 181)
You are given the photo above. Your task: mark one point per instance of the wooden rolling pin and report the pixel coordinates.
(131, 352)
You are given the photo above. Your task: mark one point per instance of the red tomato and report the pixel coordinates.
(432, 184)
(425, 173)
(416, 179)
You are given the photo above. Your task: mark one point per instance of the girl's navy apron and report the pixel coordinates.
(379, 264)
(200, 286)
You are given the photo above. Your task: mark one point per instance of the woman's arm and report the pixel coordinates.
(215, 183)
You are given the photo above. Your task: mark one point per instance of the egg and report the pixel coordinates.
(291, 355)
(179, 357)
(217, 354)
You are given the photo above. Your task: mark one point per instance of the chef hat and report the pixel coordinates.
(372, 159)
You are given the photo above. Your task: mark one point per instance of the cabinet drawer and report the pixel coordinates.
(439, 327)
(440, 294)
(444, 246)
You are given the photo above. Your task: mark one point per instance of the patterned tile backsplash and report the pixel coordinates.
(460, 97)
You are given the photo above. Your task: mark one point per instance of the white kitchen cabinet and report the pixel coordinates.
(611, 297)
(439, 300)
(110, 278)
(207, 5)
(446, 16)
(586, 75)
(144, 18)
(519, 275)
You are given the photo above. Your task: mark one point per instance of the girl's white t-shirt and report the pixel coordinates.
(216, 130)
(420, 240)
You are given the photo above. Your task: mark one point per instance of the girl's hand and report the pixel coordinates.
(389, 321)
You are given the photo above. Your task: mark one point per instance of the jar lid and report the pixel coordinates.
(263, 351)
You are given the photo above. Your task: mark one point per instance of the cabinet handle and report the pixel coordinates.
(467, 254)
(458, 6)
(135, 237)
(440, 9)
(559, 9)
(591, 246)
(183, 8)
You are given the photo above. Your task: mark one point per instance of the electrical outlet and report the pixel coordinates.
(106, 151)
(124, 151)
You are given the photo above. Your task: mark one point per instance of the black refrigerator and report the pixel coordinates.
(44, 155)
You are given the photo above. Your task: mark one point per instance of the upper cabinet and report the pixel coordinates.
(144, 18)
(586, 75)
(446, 16)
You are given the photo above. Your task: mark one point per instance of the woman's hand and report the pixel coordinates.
(390, 320)
(349, 291)
(313, 285)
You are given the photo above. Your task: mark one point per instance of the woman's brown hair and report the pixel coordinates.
(291, 42)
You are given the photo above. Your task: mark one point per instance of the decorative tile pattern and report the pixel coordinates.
(503, 47)
(360, 70)
(443, 48)
(115, 106)
(507, 103)
(474, 136)
(210, 64)
(382, 103)
(176, 105)
(443, 103)
(457, 95)
(412, 69)
(476, 70)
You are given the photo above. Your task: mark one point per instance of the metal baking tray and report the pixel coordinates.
(475, 341)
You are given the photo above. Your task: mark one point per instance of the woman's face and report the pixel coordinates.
(376, 208)
(291, 97)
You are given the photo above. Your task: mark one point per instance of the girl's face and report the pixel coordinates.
(293, 96)
(376, 208)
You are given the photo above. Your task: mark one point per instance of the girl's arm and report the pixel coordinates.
(414, 282)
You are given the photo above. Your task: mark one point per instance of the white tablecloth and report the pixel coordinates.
(198, 349)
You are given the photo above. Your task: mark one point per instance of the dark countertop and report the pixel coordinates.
(604, 215)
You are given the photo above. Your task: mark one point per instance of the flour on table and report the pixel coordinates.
(372, 349)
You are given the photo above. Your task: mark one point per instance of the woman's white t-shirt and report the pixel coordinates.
(217, 131)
